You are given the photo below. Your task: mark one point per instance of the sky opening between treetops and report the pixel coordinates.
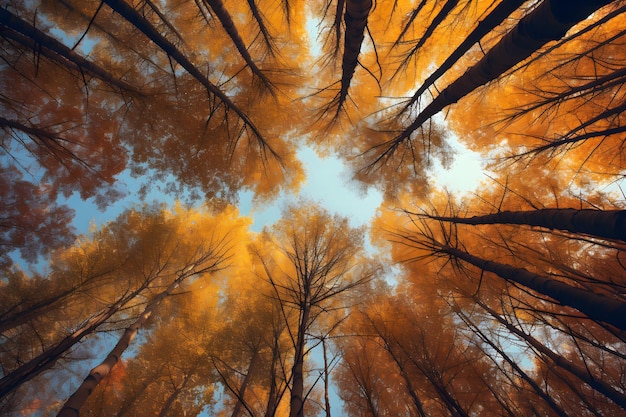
(312, 208)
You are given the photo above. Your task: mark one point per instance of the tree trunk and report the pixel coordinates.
(172, 397)
(569, 140)
(229, 27)
(267, 37)
(297, 374)
(453, 406)
(520, 372)
(244, 385)
(440, 17)
(493, 19)
(326, 380)
(47, 359)
(582, 374)
(72, 407)
(414, 13)
(403, 373)
(272, 396)
(355, 18)
(549, 21)
(608, 224)
(595, 306)
(29, 36)
(130, 14)
(613, 79)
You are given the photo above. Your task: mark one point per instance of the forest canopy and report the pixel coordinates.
(507, 300)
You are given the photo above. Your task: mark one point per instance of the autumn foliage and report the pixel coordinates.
(508, 299)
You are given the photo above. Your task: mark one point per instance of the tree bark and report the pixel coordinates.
(72, 407)
(608, 224)
(47, 359)
(34, 39)
(403, 373)
(440, 17)
(273, 396)
(229, 27)
(582, 374)
(595, 306)
(297, 374)
(130, 14)
(547, 22)
(493, 19)
(326, 380)
(450, 403)
(244, 385)
(355, 18)
(520, 372)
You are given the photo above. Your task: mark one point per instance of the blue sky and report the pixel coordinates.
(327, 183)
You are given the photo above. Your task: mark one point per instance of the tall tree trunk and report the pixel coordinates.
(493, 19)
(609, 224)
(436, 382)
(267, 37)
(440, 17)
(136, 19)
(403, 373)
(569, 140)
(72, 407)
(616, 78)
(274, 396)
(326, 380)
(297, 373)
(48, 358)
(172, 397)
(549, 21)
(583, 374)
(450, 402)
(595, 306)
(229, 27)
(339, 8)
(244, 384)
(355, 18)
(414, 13)
(30, 312)
(14, 28)
(519, 371)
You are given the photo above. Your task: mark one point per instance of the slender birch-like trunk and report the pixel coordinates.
(72, 407)
(297, 373)
(493, 19)
(518, 370)
(229, 27)
(48, 358)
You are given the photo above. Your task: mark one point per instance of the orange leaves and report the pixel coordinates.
(213, 97)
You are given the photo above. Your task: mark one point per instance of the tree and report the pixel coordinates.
(454, 238)
(209, 258)
(549, 21)
(314, 259)
(253, 348)
(595, 305)
(599, 223)
(508, 301)
(164, 250)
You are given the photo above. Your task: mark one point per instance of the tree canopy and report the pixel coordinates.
(509, 299)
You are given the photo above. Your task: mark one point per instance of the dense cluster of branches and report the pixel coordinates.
(508, 302)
